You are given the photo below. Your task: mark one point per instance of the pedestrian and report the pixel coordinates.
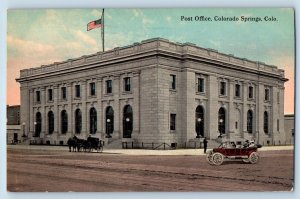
(205, 144)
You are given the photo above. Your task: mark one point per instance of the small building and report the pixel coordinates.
(289, 128)
(155, 91)
(13, 127)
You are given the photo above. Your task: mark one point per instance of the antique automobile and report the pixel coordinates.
(228, 150)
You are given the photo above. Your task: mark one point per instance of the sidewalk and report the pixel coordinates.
(139, 151)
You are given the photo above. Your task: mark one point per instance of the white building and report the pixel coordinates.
(154, 91)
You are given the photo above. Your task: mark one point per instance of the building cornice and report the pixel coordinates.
(152, 48)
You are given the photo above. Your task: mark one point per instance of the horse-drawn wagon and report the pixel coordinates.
(88, 145)
(94, 144)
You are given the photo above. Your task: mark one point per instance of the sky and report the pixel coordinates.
(43, 36)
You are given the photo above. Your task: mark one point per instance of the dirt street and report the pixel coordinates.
(60, 171)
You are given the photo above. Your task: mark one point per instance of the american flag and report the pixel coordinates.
(94, 24)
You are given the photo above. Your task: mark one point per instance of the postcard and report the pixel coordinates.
(150, 100)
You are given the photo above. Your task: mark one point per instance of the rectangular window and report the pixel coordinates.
(77, 90)
(173, 82)
(92, 89)
(250, 92)
(64, 93)
(38, 96)
(200, 85)
(109, 86)
(238, 90)
(172, 121)
(267, 94)
(127, 84)
(223, 88)
(50, 96)
(277, 125)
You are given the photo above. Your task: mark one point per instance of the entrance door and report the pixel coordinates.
(16, 138)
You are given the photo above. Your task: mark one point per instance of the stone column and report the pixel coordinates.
(280, 103)
(231, 110)
(245, 108)
(99, 108)
(116, 106)
(25, 107)
(31, 113)
(43, 112)
(276, 113)
(188, 93)
(212, 107)
(69, 109)
(136, 103)
(260, 112)
(56, 111)
(85, 114)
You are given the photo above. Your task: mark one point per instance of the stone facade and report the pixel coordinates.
(168, 81)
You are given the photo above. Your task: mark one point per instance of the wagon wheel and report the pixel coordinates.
(89, 147)
(217, 158)
(100, 149)
(253, 158)
(209, 157)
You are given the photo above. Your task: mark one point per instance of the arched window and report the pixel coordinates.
(250, 121)
(109, 120)
(64, 122)
(93, 121)
(222, 121)
(199, 122)
(38, 124)
(78, 121)
(127, 121)
(50, 122)
(266, 122)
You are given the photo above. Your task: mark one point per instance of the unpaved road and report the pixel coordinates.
(60, 171)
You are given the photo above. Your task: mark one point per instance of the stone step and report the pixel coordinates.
(113, 143)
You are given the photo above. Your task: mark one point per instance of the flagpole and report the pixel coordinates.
(102, 31)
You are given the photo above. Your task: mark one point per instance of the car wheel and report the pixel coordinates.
(217, 158)
(246, 160)
(253, 158)
(209, 157)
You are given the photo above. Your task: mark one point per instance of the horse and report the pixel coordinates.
(72, 142)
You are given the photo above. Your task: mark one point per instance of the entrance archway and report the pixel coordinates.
(38, 124)
(93, 121)
(127, 122)
(64, 122)
(199, 121)
(78, 121)
(50, 122)
(109, 120)
(222, 121)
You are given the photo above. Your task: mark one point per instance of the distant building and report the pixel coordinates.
(13, 114)
(13, 126)
(155, 91)
(289, 128)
